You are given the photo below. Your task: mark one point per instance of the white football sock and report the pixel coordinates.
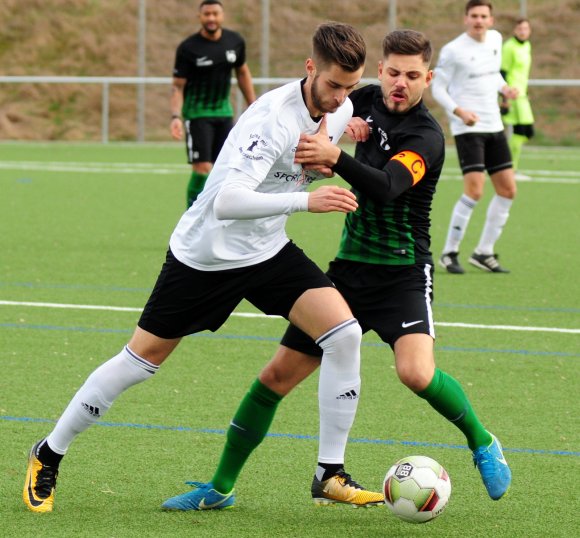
(458, 224)
(498, 212)
(96, 396)
(338, 388)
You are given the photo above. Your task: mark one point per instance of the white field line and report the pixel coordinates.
(264, 316)
(450, 174)
(94, 168)
(570, 177)
(536, 179)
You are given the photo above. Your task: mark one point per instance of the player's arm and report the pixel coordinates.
(244, 78)
(443, 74)
(402, 172)
(237, 200)
(238, 197)
(176, 104)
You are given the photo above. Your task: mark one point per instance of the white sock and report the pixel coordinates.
(338, 388)
(96, 396)
(498, 212)
(458, 224)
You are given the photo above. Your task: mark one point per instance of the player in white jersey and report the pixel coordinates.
(256, 161)
(231, 245)
(466, 84)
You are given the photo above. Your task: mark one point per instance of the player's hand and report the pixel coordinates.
(320, 168)
(467, 116)
(358, 130)
(317, 148)
(176, 128)
(331, 198)
(509, 92)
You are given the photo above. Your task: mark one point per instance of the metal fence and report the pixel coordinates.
(142, 82)
(138, 37)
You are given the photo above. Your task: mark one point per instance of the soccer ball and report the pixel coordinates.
(417, 489)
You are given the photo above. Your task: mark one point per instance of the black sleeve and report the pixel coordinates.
(182, 65)
(381, 186)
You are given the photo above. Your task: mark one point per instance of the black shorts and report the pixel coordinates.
(483, 151)
(391, 301)
(204, 138)
(185, 301)
(524, 130)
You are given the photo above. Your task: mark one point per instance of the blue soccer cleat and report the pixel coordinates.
(203, 497)
(494, 469)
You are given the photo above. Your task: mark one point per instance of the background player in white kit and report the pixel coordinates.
(466, 84)
(230, 245)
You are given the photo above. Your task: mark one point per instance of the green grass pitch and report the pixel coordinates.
(86, 226)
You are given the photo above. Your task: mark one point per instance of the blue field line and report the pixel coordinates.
(247, 337)
(301, 437)
(436, 305)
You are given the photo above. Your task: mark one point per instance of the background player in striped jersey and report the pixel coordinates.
(467, 83)
(200, 94)
(384, 269)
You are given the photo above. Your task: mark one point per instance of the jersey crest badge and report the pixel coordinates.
(253, 147)
(231, 56)
(384, 140)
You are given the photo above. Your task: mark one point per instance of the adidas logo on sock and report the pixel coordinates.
(91, 409)
(350, 395)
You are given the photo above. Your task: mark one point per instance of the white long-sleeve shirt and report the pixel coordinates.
(239, 218)
(467, 75)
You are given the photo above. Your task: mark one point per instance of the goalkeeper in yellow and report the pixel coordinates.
(517, 114)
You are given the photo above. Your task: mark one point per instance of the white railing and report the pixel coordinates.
(106, 82)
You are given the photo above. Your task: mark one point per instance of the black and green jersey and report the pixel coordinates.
(396, 232)
(207, 66)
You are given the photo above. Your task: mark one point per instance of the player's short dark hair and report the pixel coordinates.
(210, 3)
(408, 43)
(340, 44)
(476, 3)
(521, 20)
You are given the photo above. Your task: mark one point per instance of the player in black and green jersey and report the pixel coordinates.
(200, 98)
(384, 269)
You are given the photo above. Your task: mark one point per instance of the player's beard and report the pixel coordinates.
(401, 107)
(317, 100)
(211, 30)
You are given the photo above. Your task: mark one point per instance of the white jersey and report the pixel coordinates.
(467, 75)
(257, 164)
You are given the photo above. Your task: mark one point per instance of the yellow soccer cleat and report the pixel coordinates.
(341, 488)
(38, 493)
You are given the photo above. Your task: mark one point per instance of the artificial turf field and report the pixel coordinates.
(83, 234)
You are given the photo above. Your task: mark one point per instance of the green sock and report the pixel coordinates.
(446, 396)
(195, 186)
(247, 430)
(516, 142)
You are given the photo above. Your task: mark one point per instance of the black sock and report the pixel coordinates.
(330, 469)
(46, 456)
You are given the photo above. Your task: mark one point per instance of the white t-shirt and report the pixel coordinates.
(467, 75)
(255, 184)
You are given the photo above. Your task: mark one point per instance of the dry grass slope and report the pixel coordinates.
(90, 37)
